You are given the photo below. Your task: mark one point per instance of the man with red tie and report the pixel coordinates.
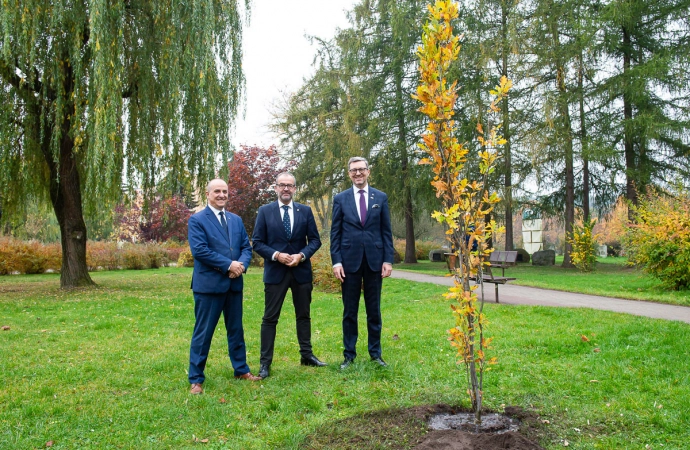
(362, 255)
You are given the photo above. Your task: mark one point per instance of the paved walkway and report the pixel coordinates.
(522, 295)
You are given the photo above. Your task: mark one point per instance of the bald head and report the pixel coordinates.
(217, 193)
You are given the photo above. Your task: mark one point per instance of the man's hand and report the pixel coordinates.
(339, 273)
(284, 258)
(296, 259)
(386, 270)
(236, 269)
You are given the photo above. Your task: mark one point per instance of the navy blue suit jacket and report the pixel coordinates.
(214, 250)
(350, 241)
(269, 237)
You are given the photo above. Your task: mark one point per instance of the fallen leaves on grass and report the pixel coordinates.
(6, 328)
(584, 338)
(222, 400)
(202, 441)
(50, 443)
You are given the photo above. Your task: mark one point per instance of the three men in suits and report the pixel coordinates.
(221, 250)
(285, 235)
(362, 255)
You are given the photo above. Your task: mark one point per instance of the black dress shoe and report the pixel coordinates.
(380, 362)
(264, 371)
(346, 363)
(312, 361)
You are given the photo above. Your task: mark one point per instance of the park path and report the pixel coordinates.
(511, 294)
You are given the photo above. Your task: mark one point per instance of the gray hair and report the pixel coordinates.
(286, 174)
(357, 159)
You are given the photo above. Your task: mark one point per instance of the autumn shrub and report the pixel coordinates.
(422, 248)
(658, 240)
(102, 255)
(135, 257)
(322, 269)
(157, 256)
(185, 259)
(584, 242)
(399, 246)
(173, 249)
(28, 257)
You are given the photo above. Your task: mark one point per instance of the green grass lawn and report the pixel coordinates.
(106, 368)
(611, 279)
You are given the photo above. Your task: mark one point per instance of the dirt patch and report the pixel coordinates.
(408, 428)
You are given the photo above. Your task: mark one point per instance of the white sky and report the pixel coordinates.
(278, 56)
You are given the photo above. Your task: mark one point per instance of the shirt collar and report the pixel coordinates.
(216, 211)
(366, 189)
(291, 205)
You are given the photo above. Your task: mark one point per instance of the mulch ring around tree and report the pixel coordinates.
(409, 428)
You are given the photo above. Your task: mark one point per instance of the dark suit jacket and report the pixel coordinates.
(350, 241)
(214, 251)
(269, 237)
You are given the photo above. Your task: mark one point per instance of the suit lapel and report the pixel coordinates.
(297, 213)
(353, 203)
(216, 222)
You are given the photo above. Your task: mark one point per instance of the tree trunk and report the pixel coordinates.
(65, 195)
(628, 143)
(410, 250)
(583, 141)
(505, 112)
(564, 129)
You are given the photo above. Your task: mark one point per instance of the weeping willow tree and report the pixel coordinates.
(97, 92)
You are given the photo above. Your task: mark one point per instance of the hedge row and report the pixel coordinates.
(31, 257)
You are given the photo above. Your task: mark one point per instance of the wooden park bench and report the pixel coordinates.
(503, 260)
(488, 277)
(497, 259)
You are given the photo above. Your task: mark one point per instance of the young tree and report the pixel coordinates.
(465, 204)
(94, 92)
(252, 172)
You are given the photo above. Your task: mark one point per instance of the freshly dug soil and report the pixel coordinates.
(409, 429)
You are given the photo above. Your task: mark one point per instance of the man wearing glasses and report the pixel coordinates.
(285, 235)
(362, 255)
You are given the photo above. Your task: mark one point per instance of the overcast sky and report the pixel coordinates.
(278, 56)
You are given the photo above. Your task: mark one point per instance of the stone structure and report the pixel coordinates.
(531, 231)
(544, 258)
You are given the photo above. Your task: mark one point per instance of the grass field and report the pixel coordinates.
(106, 368)
(611, 279)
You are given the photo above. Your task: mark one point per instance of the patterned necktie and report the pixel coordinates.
(286, 222)
(362, 206)
(223, 223)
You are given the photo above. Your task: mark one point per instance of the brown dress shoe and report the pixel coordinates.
(248, 376)
(196, 389)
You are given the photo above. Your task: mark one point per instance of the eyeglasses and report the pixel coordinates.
(354, 171)
(283, 186)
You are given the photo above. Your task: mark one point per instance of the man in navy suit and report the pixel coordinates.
(362, 255)
(286, 236)
(221, 250)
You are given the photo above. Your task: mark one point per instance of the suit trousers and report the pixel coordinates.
(273, 303)
(207, 310)
(370, 282)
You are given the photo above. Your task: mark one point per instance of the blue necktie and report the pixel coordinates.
(223, 223)
(286, 222)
